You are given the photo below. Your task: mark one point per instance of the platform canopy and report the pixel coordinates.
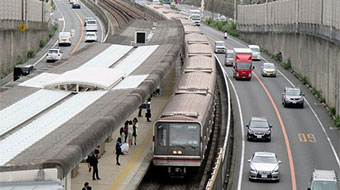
(93, 78)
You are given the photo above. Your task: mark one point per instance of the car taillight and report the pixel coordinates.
(69, 39)
(58, 39)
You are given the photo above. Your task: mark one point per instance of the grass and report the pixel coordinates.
(53, 30)
(42, 43)
(54, 7)
(20, 60)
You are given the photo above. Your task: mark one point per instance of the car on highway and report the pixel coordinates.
(76, 5)
(256, 55)
(22, 70)
(229, 57)
(292, 96)
(259, 129)
(87, 19)
(72, 1)
(53, 55)
(323, 180)
(65, 38)
(268, 70)
(219, 47)
(264, 166)
(90, 37)
(91, 25)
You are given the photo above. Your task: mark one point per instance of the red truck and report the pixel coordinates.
(243, 63)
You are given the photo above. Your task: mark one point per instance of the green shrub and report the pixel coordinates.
(323, 99)
(229, 26)
(337, 121)
(304, 80)
(20, 60)
(332, 110)
(42, 43)
(277, 57)
(289, 64)
(30, 54)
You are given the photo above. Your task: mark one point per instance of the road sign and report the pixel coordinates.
(22, 27)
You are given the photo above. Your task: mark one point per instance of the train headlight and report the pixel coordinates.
(174, 152)
(179, 152)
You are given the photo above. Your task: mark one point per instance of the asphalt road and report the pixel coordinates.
(309, 131)
(71, 20)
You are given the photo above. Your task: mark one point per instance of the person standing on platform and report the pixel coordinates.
(148, 111)
(86, 186)
(95, 165)
(118, 150)
(135, 129)
(130, 132)
(126, 129)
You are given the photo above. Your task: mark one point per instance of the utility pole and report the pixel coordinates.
(42, 11)
(212, 9)
(235, 8)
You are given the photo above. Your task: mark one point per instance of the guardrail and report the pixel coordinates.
(28, 10)
(315, 17)
(218, 176)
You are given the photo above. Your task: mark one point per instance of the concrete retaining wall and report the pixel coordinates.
(313, 57)
(16, 43)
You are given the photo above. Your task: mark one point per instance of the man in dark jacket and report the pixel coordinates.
(94, 164)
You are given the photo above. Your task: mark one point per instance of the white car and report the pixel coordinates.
(256, 55)
(53, 55)
(91, 25)
(90, 37)
(87, 19)
(65, 38)
(268, 69)
(264, 166)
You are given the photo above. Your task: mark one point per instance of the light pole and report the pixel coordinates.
(235, 7)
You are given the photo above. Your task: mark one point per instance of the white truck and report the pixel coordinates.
(195, 16)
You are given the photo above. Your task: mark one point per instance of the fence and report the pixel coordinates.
(25, 10)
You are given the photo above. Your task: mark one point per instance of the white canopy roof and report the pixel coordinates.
(95, 77)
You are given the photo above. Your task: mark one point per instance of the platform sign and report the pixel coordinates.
(140, 37)
(22, 27)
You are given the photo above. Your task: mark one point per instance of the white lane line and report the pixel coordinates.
(64, 23)
(99, 21)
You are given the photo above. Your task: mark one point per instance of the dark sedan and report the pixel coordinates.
(259, 129)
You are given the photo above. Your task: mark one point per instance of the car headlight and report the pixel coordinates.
(237, 74)
(250, 132)
(276, 169)
(250, 74)
(268, 132)
(264, 71)
(253, 169)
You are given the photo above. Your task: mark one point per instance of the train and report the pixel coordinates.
(183, 129)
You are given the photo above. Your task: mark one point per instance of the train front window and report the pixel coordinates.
(161, 135)
(184, 134)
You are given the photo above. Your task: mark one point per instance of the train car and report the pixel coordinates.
(182, 132)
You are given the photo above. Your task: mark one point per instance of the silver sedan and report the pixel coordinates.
(264, 166)
(268, 69)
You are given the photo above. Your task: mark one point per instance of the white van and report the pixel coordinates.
(219, 47)
(91, 25)
(256, 52)
(65, 38)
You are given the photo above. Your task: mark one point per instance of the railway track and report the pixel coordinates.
(157, 179)
(123, 12)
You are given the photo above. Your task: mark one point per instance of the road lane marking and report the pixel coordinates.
(307, 137)
(81, 35)
(283, 128)
(122, 176)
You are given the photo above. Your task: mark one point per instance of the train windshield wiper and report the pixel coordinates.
(182, 146)
(192, 147)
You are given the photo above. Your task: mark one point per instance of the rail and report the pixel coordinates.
(218, 175)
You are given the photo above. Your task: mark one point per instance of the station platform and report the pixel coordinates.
(133, 165)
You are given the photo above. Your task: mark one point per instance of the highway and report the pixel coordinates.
(71, 20)
(303, 139)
